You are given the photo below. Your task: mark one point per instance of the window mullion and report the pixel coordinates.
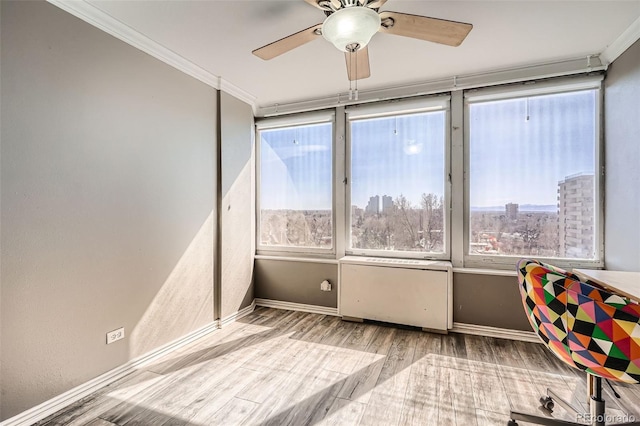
(457, 179)
(340, 187)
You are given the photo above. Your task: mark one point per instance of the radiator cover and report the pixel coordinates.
(401, 291)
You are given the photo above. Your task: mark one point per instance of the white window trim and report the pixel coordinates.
(301, 119)
(534, 88)
(317, 117)
(385, 109)
(564, 85)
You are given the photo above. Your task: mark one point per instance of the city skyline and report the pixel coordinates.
(518, 149)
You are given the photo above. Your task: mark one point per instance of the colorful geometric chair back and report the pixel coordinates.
(584, 325)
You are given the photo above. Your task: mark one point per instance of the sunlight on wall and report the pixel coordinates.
(172, 313)
(237, 242)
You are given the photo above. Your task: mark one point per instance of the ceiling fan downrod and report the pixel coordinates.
(350, 3)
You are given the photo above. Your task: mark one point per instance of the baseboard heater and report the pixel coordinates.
(401, 291)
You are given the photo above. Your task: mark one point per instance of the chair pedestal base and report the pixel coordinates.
(548, 421)
(596, 416)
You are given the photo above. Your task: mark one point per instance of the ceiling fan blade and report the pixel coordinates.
(288, 43)
(358, 64)
(441, 31)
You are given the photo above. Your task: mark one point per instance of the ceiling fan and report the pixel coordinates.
(350, 24)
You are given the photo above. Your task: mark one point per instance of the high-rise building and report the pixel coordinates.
(373, 207)
(576, 216)
(511, 211)
(387, 204)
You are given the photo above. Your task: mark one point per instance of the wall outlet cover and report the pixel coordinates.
(115, 335)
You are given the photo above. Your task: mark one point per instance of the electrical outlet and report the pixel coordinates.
(115, 335)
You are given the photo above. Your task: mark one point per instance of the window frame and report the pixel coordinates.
(526, 89)
(439, 102)
(297, 120)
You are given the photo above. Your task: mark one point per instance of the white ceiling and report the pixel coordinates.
(219, 36)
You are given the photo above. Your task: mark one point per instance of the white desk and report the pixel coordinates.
(623, 283)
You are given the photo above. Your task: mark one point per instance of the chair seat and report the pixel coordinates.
(584, 325)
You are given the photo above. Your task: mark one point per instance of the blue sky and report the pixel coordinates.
(296, 168)
(516, 160)
(393, 156)
(512, 159)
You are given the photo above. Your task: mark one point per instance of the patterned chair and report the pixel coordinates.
(585, 326)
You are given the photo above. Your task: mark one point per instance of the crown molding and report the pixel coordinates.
(622, 43)
(237, 92)
(107, 23)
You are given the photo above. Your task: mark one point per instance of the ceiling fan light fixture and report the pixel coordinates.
(351, 26)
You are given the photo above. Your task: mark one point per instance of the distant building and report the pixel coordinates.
(373, 207)
(511, 211)
(387, 204)
(576, 216)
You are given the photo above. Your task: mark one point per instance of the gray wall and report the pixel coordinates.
(107, 197)
(622, 160)
(488, 300)
(478, 299)
(1, 386)
(238, 207)
(297, 282)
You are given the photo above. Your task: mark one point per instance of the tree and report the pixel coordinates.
(404, 223)
(530, 231)
(431, 221)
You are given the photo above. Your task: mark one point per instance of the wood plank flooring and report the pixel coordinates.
(277, 367)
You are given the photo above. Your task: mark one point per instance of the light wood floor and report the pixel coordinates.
(277, 367)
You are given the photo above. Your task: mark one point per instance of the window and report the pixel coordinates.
(481, 177)
(533, 187)
(295, 189)
(398, 163)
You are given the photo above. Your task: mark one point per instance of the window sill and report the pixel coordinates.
(288, 258)
(484, 271)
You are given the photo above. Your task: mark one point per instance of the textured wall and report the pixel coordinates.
(488, 300)
(297, 282)
(238, 207)
(107, 197)
(622, 158)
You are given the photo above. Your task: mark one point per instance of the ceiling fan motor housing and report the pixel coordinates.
(351, 28)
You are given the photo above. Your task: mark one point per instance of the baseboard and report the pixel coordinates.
(240, 314)
(502, 333)
(61, 401)
(290, 306)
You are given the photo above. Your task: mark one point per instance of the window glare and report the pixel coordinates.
(397, 183)
(532, 176)
(296, 186)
